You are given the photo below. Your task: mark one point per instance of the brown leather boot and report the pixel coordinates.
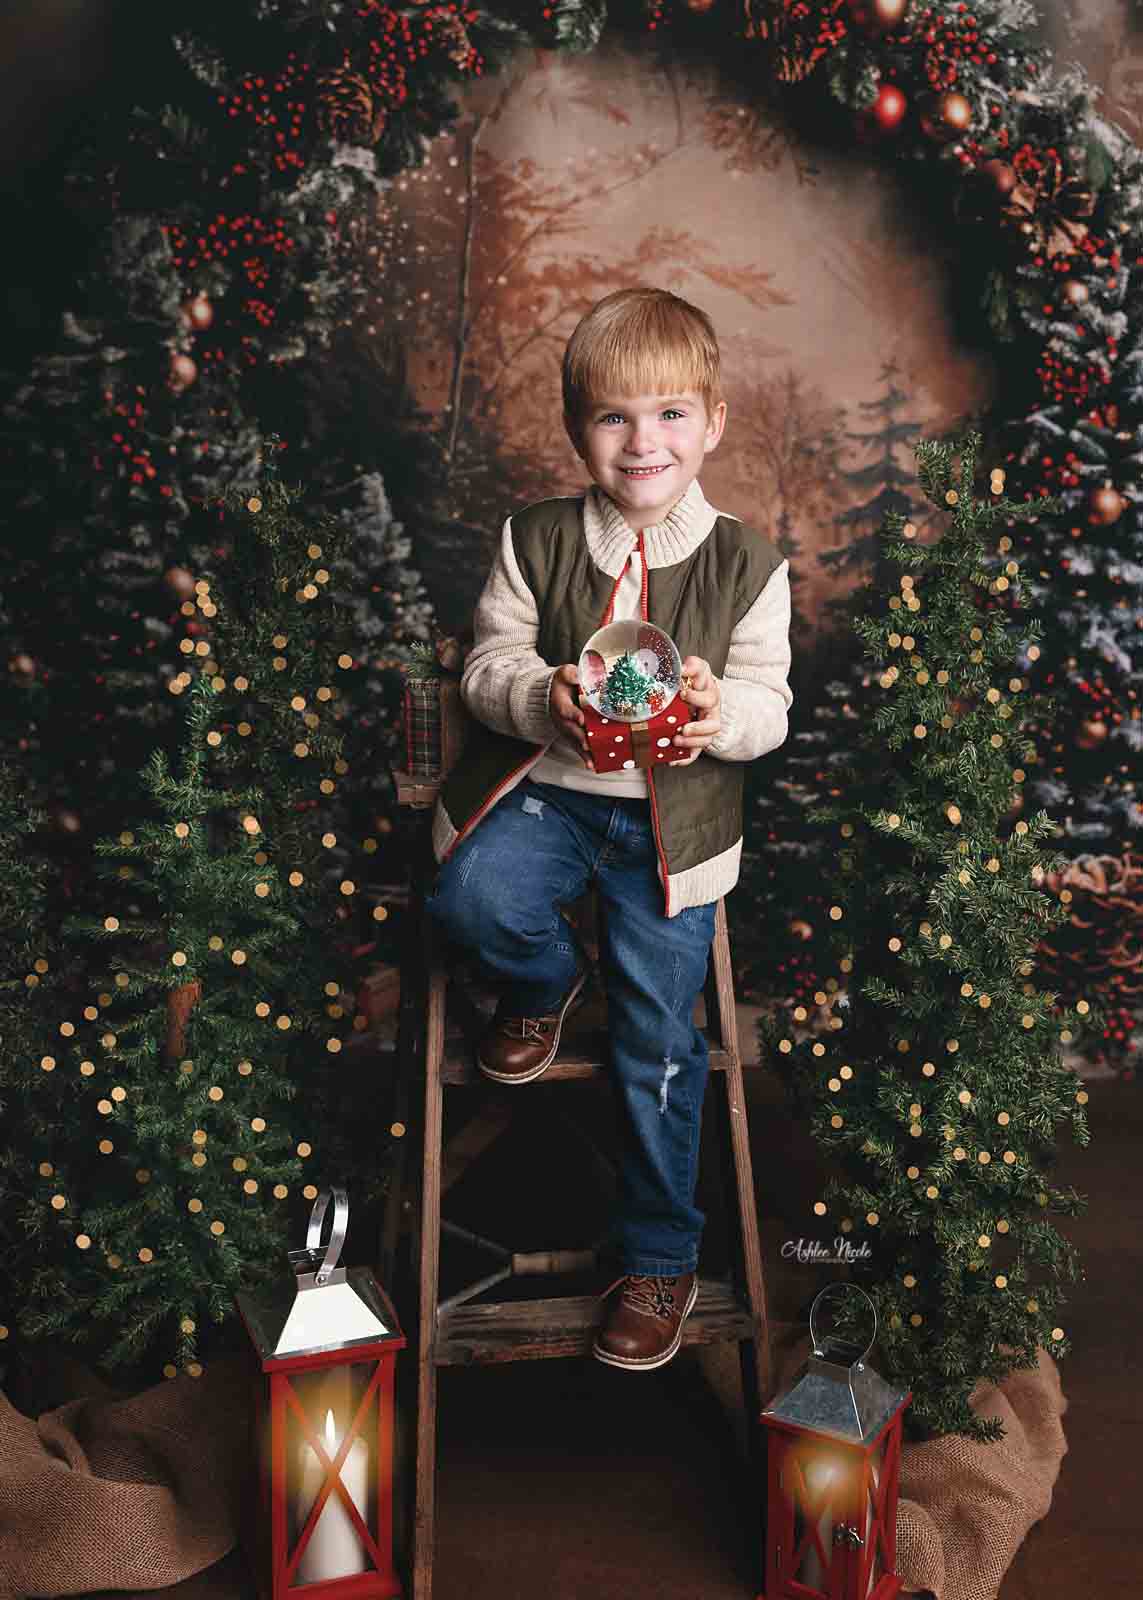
(643, 1327)
(518, 1049)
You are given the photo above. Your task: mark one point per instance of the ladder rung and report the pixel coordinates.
(517, 1330)
(581, 1057)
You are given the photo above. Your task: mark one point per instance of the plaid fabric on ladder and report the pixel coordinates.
(422, 715)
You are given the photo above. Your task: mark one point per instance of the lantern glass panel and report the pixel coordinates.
(817, 1479)
(334, 1401)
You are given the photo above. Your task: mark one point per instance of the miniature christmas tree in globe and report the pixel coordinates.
(627, 688)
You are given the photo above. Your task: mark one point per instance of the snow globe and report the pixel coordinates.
(630, 674)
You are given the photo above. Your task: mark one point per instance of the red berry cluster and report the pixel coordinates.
(831, 25)
(1060, 472)
(261, 310)
(263, 243)
(225, 235)
(396, 34)
(1059, 379)
(1102, 699)
(135, 466)
(273, 104)
(950, 39)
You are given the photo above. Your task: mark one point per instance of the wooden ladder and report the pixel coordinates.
(438, 1026)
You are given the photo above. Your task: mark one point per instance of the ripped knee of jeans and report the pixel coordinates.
(533, 807)
(670, 1070)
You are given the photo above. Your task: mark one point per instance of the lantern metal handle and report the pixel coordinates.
(856, 1288)
(314, 1256)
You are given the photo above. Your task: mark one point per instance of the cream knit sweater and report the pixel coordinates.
(506, 683)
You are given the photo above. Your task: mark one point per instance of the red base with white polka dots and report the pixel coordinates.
(618, 746)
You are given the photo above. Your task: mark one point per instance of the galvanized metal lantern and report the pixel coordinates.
(327, 1341)
(833, 1453)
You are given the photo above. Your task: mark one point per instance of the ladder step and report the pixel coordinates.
(582, 1056)
(518, 1330)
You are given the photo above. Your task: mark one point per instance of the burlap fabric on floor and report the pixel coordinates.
(964, 1507)
(104, 1492)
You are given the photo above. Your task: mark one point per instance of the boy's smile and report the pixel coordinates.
(645, 451)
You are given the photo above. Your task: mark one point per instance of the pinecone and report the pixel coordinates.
(792, 35)
(346, 109)
(452, 34)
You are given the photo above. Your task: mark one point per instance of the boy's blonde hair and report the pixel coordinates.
(639, 341)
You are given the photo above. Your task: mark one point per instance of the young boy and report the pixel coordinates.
(524, 822)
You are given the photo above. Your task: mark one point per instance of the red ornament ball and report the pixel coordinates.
(889, 107)
(1001, 175)
(199, 312)
(1091, 734)
(878, 16)
(947, 117)
(182, 374)
(180, 582)
(1105, 506)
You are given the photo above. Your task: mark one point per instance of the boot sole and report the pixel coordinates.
(648, 1363)
(534, 1072)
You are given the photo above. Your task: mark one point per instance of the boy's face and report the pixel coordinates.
(669, 432)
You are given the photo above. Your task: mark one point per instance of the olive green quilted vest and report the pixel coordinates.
(696, 809)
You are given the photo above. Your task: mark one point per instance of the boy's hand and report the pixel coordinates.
(702, 693)
(565, 711)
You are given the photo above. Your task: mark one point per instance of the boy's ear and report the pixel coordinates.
(717, 422)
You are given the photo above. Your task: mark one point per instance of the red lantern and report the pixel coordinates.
(321, 1526)
(833, 1454)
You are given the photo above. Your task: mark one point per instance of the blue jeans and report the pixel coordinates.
(500, 894)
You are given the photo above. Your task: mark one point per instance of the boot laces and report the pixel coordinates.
(650, 1296)
(525, 1027)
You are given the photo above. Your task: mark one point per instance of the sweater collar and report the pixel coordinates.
(610, 540)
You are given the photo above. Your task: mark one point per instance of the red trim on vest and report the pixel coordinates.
(663, 868)
(490, 800)
(610, 606)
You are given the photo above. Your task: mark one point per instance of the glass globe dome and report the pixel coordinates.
(629, 670)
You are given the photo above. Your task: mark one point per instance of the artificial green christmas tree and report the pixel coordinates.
(167, 1137)
(935, 1082)
(31, 985)
(780, 940)
(281, 652)
(241, 909)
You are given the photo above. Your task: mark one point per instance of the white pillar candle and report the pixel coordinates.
(335, 1549)
(820, 1475)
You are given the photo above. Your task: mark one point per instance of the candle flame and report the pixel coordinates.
(330, 1432)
